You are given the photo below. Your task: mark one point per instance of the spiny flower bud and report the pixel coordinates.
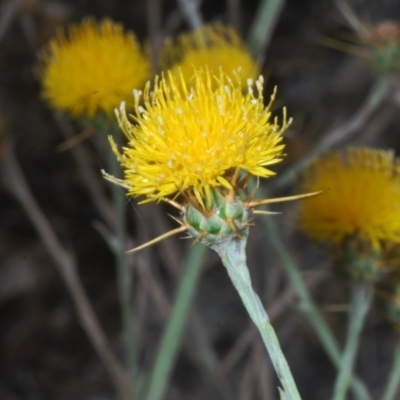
(222, 221)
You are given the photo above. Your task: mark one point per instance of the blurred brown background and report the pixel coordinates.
(45, 354)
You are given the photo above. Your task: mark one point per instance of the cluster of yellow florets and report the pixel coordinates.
(92, 68)
(216, 47)
(360, 196)
(189, 138)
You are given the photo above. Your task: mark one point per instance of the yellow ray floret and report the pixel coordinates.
(360, 196)
(215, 46)
(187, 140)
(92, 68)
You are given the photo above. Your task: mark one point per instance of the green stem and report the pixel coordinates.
(392, 387)
(190, 12)
(263, 25)
(309, 308)
(233, 256)
(361, 298)
(118, 246)
(173, 333)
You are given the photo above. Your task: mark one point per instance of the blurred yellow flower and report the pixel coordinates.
(92, 68)
(360, 196)
(192, 140)
(213, 46)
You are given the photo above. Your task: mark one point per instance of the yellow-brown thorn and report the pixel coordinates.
(254, 191)
(73, 141)
(245, 181)
(257, 203)
(248, 223)
(230, 197)
(159, 238)
(173, 203)
(235, 177)
(179, 221)
(343, 46)
(262, 212)
(201, 235)
(234, 228)
(192, 200)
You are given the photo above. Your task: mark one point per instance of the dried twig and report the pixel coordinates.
(65, 264)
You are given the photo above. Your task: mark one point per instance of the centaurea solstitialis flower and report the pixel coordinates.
(216, 47)
(358, 213)
(202, 144)
(91, 67)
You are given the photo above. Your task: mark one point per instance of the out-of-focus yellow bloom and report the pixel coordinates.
(92, 68)
(360, 196)
(213, 46)
(192, 140)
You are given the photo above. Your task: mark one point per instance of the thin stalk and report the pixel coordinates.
(191, 13)
(361, 298)
(67, 268)
(309, 308)
(124, 276)
(393, 384)
(262, 27)
(172, 336)
(233, 256)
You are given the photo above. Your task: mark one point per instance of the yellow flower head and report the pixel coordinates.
(360, 196)
(93, 68)
(215, 47)
(190, 141)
